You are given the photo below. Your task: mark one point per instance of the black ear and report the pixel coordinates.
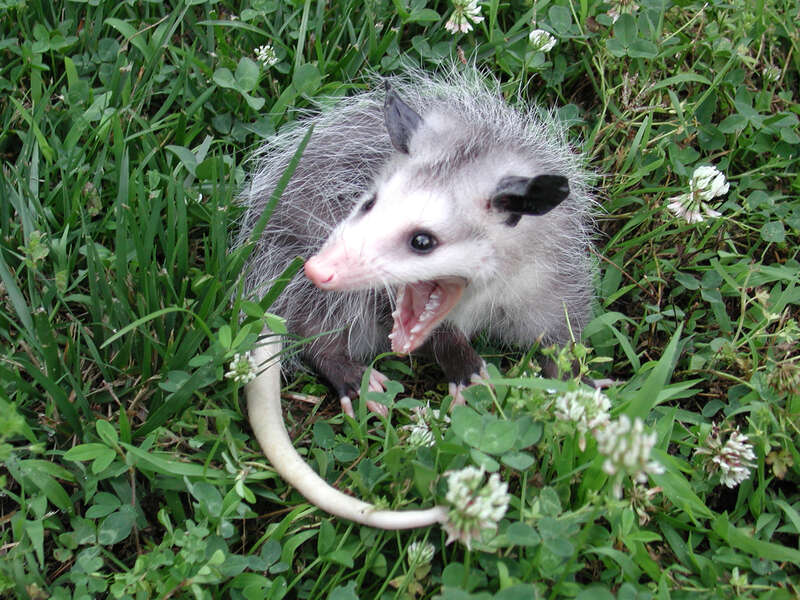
(401, 120)
(529, 195)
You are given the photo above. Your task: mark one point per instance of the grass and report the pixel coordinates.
(128, 468)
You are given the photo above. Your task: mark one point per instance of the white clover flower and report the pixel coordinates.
(421, 434)
(587, 410)
(733, 459)
(541, 40)
(419, 553)
(464, 11)
(707, 182)
(772, 73)
(785, 377)
(641, 499)
(627, 449)
(789, 333)
(621, 7)
(266, 55)
(474, 507)
(242, 368)
(423, 414)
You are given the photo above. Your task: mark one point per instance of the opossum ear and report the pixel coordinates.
(401, 120)
(529, 195)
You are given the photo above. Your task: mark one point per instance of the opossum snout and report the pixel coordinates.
(336, 268)
(321, 273)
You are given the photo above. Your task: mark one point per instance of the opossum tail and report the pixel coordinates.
(266, 419)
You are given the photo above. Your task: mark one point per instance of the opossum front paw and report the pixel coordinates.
(456, 389)
(377, 382)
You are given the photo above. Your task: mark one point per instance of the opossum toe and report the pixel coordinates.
(378, 408)
(377, 380)
(456, 390)
(347, 407)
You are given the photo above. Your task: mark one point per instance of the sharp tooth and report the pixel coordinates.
(396, 313)
(406, 346)
(392, 335)
(432, 303)
(416, 328)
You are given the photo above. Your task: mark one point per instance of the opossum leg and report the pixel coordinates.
(454, 354)
(329, 358)
(462, 366)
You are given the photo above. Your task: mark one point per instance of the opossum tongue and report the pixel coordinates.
(420, 307)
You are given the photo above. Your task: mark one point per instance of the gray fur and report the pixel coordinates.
(350, 150)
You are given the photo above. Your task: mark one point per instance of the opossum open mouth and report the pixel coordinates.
(420, 307)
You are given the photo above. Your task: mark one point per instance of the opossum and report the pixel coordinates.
(428, 211)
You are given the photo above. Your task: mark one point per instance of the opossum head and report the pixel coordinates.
(442, 217)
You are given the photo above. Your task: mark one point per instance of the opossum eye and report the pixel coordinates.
(422, 242)
(368, 204)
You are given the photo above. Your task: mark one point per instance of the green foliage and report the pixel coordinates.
(128, 469)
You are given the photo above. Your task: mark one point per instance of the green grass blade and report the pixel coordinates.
(645, 399)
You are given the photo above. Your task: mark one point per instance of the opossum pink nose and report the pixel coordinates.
(318, 272)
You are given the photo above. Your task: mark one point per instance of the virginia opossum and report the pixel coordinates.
(427, 213)
(429, 210)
